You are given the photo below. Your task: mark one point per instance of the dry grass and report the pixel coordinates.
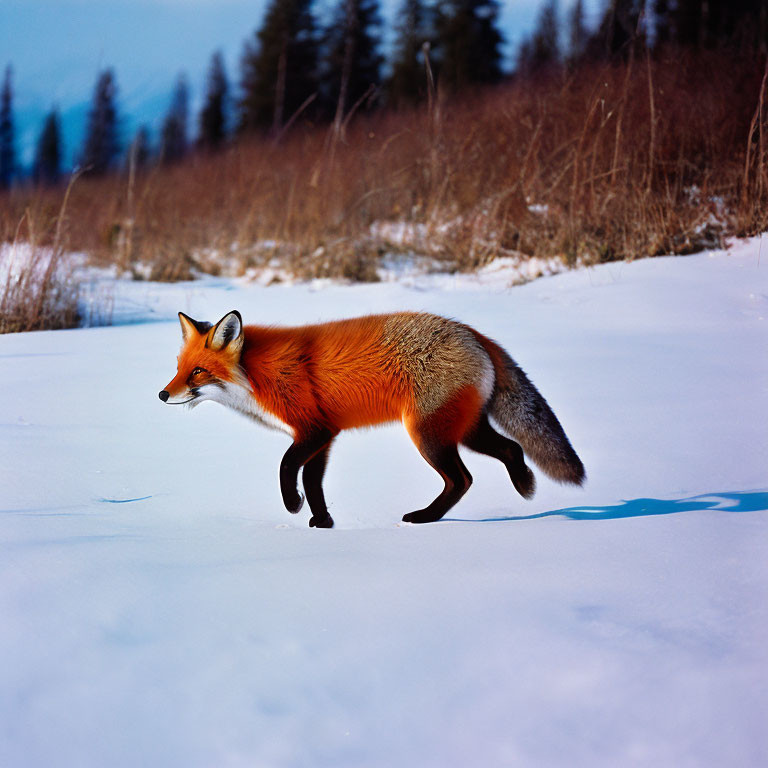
(652, 156)
(40, 292)
(37, 296)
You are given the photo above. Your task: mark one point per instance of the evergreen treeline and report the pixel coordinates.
(293, 69)
(7, 150)
(623, 25)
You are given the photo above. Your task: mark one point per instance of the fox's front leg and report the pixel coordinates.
(312, 476)
(302, 450)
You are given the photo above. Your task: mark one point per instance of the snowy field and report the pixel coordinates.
(159, 607)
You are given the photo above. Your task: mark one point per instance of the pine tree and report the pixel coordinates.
(173, 142)
(7, 150)
(279, 66)
(619, 29)
(140, 150)
(545, 48)
(524, 57)
(47, 168)
(577, 32)
(469, 42)
(101, 146)
(662, 22)
(352, 62)
(213, 116)
(408, 83)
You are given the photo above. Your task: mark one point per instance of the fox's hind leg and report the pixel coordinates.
(435, 437)
(302, 450)
(484, 439)
(446, 461)
(312, 477)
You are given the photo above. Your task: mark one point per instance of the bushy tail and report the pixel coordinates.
(520, 410)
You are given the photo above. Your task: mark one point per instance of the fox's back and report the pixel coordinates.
(365, 370)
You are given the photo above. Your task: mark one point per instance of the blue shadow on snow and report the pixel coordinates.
(735, 501)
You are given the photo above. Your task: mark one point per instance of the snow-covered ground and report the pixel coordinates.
(159, 607)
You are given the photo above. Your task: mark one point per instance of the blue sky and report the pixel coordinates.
(57, 47)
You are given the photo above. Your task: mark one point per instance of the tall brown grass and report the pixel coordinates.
(39, 291)
(662, 154)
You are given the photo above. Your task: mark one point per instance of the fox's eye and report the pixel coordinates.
(197, 371)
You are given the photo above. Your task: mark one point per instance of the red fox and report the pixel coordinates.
(441, 378)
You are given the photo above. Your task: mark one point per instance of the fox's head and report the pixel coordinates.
(209, 361)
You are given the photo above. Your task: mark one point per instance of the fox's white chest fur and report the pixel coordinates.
(239, 397)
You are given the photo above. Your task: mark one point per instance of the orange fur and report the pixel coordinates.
(339, 375)
(450, 423)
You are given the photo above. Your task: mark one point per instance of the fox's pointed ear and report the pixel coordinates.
(228, 332)
(190, 327)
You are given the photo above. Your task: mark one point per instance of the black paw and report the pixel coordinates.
(321, 522)
(294, 503)
(419, 517)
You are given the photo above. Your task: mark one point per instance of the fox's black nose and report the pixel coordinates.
(164, 395)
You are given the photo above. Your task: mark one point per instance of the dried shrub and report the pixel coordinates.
(38, 293)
